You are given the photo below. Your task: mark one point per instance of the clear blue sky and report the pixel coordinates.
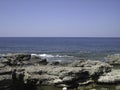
(59, 18)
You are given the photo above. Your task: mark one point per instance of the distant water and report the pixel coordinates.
(61, 48)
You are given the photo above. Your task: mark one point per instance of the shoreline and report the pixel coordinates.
(23, 69)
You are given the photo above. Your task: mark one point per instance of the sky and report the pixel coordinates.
(59, 18)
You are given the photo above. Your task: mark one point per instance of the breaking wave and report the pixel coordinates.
(50, 55)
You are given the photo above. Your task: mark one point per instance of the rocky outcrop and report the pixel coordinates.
(21, 59)
(113, 59)
(15, 59)
(95, 68)
(110, 78)
(5, 77)
(64, 75)
(18, 56)
(36, 71)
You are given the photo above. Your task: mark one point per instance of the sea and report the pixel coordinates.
(62, 48)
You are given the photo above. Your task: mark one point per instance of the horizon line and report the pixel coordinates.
(56, 37)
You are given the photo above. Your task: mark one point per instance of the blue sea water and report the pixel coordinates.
(82, 48)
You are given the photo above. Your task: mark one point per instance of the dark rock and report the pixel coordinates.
(54, 63)
(43, 62)
(5, 77)
(22, 77)
(18, 56)
(16, 59)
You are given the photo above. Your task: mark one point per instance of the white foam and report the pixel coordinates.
(59, 56)
(46, 55)
(34, 54)
(43, 55)
(50, 55)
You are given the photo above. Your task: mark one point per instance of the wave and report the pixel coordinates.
(50, 55)
(55, 57)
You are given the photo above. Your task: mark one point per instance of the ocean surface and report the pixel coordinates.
(61, 48)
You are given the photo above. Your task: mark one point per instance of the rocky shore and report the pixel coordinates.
(112, 77)
(25, 70)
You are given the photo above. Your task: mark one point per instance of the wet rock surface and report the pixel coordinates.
(31, 71)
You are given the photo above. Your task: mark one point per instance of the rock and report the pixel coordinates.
(54, 63)
(87, 63)
(40, 72)
(110, 78)
(3, 61)
(21, 76)
(113, 59)
(5, 77)
(5, 82)
(38, 60)
(5, 70)
(95, 68)
(97, 71)
(18, 56)
(2, 65)
(52, 75)
(16, 59)
(57, 81)
(43, 62)
(86, 83)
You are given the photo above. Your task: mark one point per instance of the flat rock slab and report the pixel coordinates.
(111, 77)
